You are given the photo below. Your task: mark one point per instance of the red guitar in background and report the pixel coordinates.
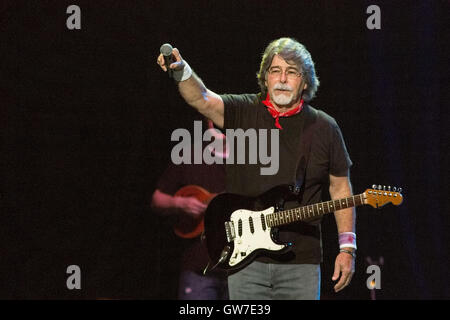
(188, 227)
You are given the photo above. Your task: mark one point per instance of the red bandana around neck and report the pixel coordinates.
(276, 114)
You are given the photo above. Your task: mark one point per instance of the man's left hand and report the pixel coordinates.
(344, 267)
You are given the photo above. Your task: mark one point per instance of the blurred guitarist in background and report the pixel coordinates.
(193, 285)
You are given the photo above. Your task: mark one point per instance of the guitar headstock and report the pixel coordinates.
(378, 196)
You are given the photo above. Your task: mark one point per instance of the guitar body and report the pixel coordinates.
(239, 228)
(252, 236)
(187, 227)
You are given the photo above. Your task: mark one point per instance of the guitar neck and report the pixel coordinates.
(313, 211)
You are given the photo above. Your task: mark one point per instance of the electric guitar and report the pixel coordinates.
(188, 227)
(238, 228)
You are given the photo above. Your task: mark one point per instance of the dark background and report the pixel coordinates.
(86, 118)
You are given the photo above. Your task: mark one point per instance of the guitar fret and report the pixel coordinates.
(326, 209)
(361, 200)
(352, 201)
(357, 200)
(331, 206)
(312, 210)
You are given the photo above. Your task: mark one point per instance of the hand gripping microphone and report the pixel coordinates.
(166, 51)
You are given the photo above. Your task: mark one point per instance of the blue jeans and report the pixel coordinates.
(266, 281)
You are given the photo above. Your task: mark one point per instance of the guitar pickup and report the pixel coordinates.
(229, 230)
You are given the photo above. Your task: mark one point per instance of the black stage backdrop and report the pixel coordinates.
(87, 116)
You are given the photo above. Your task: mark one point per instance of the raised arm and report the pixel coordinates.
(193, 91)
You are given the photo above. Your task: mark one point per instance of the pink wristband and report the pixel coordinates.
(347, 240)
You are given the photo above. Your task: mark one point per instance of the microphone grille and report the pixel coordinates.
(166, 49)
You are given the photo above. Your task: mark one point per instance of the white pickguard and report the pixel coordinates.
(248, 242)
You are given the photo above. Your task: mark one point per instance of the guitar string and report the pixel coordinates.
(273, 218)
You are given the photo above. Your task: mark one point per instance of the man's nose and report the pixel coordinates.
(283, 77)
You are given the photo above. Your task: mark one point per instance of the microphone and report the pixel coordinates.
(166, 51)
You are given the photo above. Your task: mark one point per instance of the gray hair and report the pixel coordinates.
(293, 52)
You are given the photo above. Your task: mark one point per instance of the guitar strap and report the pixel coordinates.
(309, 127)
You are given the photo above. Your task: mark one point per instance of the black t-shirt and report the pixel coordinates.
(328, 155)
(210, 177)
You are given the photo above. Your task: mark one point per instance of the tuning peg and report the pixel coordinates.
(379, 187)
(374, 186)
(389, 188)
(399, 190)
(384, 188)
(395, 189)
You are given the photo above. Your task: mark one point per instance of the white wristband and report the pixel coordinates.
(184, 74)
(347, 240)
